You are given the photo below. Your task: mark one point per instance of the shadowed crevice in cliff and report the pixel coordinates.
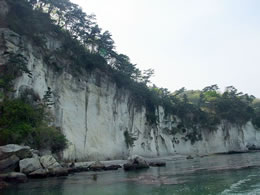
(86, 116)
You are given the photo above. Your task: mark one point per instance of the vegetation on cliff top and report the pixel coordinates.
(84, 46)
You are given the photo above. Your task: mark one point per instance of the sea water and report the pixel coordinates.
(215, 174)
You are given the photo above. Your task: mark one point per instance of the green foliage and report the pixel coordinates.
(48, 136)
(207, 108)
(193, 136)
(15, 66)
(256, 117)
(25, 21)
(23, 123)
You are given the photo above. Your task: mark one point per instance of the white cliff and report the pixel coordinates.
(94, 114)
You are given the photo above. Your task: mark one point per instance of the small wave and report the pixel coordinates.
(252, 175)
(252, 192)
(234, 186)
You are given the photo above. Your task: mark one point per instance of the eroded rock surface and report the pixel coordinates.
(49, 162)
(29, 165)
(97, 166)
(12, 149)
(136, 162)
(9, 163)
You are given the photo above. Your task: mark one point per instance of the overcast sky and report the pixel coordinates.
(189, 43)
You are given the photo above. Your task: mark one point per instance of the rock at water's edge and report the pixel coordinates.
(49, 162)
(15, 177)
(9, 164)
(29, 165)
(112, 167)
(13, 149)
(157, 164)
(135, 162)
(58, 171)
(40, 173)
(96, 166)
(189, 157)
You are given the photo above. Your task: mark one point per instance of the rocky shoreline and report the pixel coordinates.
(20, 163)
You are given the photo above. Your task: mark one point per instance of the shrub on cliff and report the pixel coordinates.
(256, 117)
(24, 123)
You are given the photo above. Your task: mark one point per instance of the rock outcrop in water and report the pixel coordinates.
(18, 161)
(10, 155)
(136, 163)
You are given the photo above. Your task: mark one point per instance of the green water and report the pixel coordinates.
(219, 174)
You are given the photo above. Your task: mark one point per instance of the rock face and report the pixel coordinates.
(29, 165)
(157, 164)
(13, 149)
(94, 113)
(189, 157)
(36, 167)
(10, 156)
(50, 168)
(14, 177)
(3, 12)
(97, 166)
(49, 162)
(9, 164)
(40, 173)
(112, 167)
(58, 171)
(135, 163)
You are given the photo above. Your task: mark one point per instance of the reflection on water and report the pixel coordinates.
(218, 174)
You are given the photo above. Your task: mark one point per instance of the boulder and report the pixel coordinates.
(112, 167)
(72, 165)
(35, 153)
(49, 162)
(131, 166)
(189, 157)
(78, 169)
(135, 162)
(72, 170)
(15, 177)
(138, 160)
(40, 173)
(13, 149)
(58, 171)
(157, 164)
(96, 166)
(252, 147)
(9, 164)
(29, 165)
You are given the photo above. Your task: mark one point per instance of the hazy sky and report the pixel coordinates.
(189, 43)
